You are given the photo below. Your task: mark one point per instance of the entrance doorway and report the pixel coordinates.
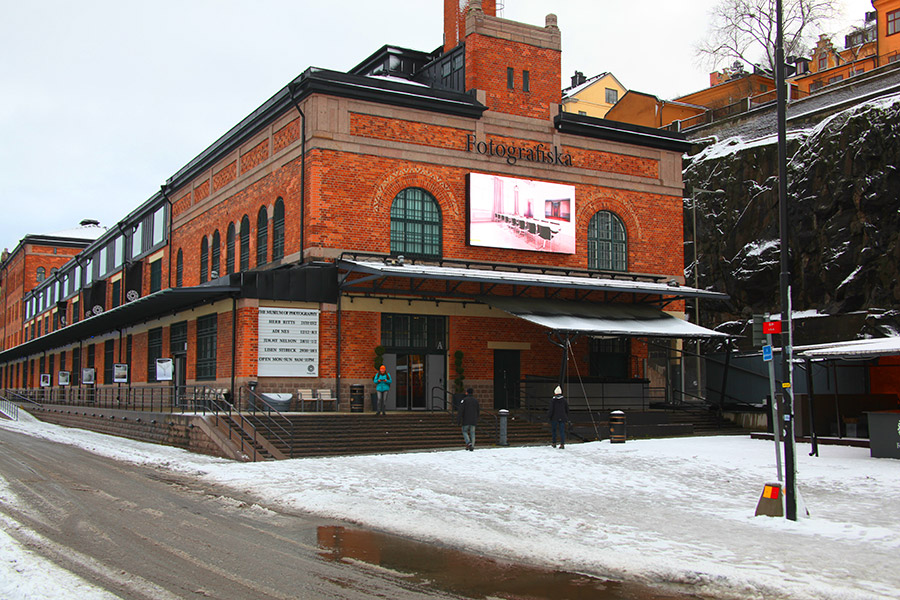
(417, 379)
(506, 379)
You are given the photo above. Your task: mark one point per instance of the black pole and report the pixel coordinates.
(814, 451)
(786, 335)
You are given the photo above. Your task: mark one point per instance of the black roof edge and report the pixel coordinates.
(626, 133)
(332, 83)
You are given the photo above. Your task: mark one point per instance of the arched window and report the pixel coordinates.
(179, 269)
(215, 253)
(229, 249)
(262, 237)
(415, 224)
(204, 260)
(278, 231)
(245, 243)
(41, 273)
(607, 243)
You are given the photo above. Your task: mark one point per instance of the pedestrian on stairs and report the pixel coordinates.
(382, 381)
(468, 418)
(558, 415)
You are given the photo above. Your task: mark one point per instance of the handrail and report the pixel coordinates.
(21, 398)
(286, 436)
(10, 409)
(441, 399)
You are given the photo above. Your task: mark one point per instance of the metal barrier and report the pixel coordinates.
(9, 409)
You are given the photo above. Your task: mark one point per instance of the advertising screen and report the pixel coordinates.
(521, 214)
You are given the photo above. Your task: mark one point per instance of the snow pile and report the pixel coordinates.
(673, 511)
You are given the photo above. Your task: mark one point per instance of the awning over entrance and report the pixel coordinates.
(854, 349)
(490, 275)
(634, 320)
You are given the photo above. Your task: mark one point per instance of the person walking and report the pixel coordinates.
(382, 381)
(558, 415)
(468, 418)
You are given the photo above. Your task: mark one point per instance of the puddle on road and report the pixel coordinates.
(474, 576)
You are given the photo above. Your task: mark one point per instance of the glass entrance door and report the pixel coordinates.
(411, 383)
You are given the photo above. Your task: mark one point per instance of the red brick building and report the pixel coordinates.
(434, 211)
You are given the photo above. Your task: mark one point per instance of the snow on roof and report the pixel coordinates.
(87, 231)
(859, 349)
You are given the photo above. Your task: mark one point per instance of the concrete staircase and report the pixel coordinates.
(335, 434)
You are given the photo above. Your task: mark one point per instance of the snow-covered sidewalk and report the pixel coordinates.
(678, 511)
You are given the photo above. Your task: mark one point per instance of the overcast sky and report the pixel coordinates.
(101, 101)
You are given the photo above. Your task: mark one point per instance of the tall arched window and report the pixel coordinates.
(179, 269)
(41, 274)
(204, 260)
(278, 231)
(416, 224)
(607, 243)
(245, 243)
(229, 249)
(215, 252)
(262, 237)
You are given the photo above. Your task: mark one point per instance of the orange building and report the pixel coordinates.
(434, 211)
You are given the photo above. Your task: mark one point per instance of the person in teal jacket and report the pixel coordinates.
(382, 381)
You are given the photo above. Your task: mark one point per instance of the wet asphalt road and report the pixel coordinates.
(144, 533)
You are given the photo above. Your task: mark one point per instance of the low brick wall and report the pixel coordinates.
(179, 430)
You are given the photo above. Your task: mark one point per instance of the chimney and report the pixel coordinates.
(455, 18)
(578, 78)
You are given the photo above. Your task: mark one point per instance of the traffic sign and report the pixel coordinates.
(767, 353)
(772, 327)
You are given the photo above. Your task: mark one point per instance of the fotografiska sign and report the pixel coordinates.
(537, 153)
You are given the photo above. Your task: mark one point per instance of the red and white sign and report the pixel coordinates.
(772, 327)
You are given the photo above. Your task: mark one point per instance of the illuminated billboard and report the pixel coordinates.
(521, 214)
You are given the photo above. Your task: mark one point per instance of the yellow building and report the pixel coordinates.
(593, 96)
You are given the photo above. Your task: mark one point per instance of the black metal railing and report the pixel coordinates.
(276, 426)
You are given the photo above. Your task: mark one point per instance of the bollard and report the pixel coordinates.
(504, 416)
(617, 427)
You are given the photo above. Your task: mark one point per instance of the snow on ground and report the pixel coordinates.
(678, 511)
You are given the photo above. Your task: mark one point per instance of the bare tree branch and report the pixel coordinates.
(745, 30)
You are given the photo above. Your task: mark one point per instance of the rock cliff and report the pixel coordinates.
(844, 217)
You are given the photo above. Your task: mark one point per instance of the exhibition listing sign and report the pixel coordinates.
(288, 342)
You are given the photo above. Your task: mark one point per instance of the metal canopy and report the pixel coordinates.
(503, 275)
(634, 320)
(143, 309)
(854, 349)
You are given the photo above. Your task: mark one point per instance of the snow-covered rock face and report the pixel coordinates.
(844, 216)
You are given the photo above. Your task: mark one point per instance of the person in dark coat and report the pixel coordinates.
(558, 415)
(468, 418)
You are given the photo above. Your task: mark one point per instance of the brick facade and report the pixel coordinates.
(360, 154)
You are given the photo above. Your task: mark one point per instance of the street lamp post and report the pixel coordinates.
(787, 341)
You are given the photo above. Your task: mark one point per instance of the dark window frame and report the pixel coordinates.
(204, 260)
(154, 351)
(215, 255)
(229, 249)
(262, 237)
(416, 224)
(207, 337)
(607, 242)
(278, 231)
(245, 243)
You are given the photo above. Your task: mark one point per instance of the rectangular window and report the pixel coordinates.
(108, 360)
(119, 251)
(159, 225)
(137, 240)
(154, 351)
(116, 293)
(178, 338)
(612, 96)
(835, 79)
(893, 22)
(413, 332)
(510, 78)
(155, 276)
(206, 346)
(102, 261)
(526, 81)
(823, 61)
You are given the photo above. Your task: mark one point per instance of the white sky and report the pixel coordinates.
(101, 101)
(668, 510)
